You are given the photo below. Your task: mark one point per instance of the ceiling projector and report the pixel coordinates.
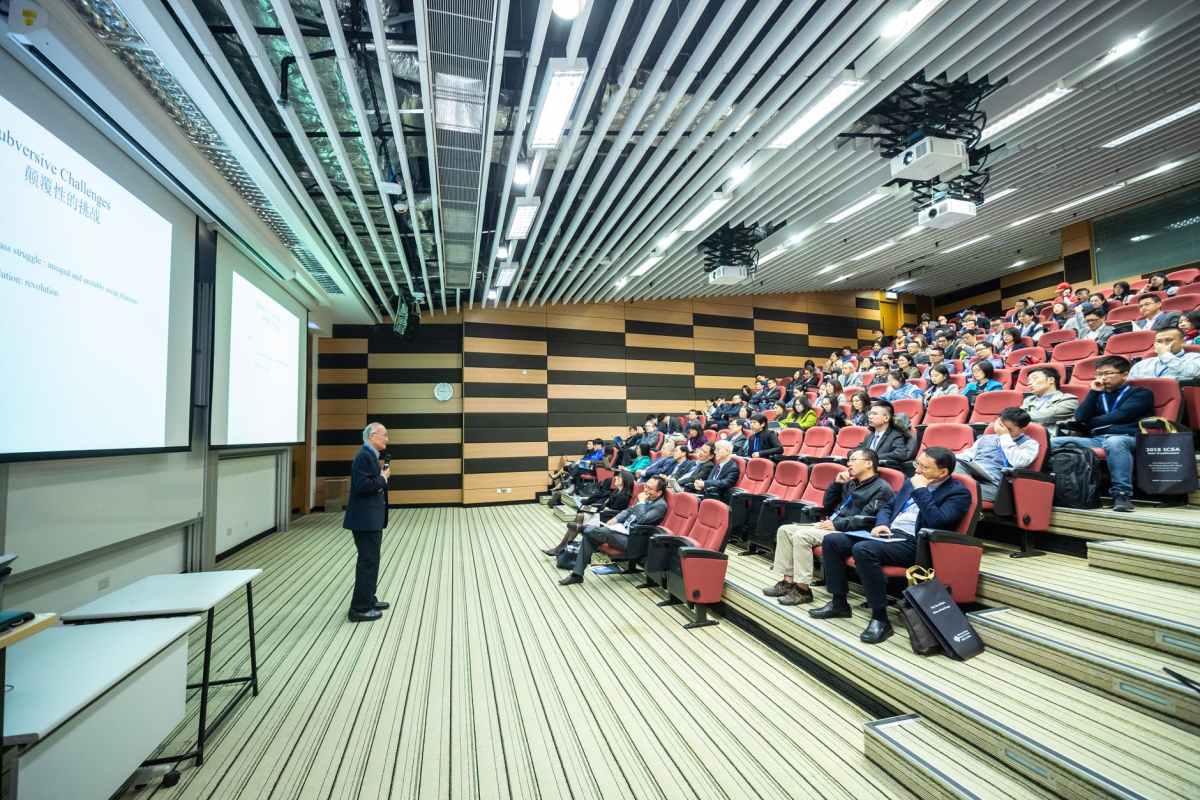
(929, 158)
(946, 213)
(727, 275)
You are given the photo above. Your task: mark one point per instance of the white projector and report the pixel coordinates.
(727, 275)
(930, 158)
(946, 213)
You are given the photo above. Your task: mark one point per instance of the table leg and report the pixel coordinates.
(253, 653)
(208, 634)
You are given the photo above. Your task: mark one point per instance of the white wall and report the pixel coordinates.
(245, 499)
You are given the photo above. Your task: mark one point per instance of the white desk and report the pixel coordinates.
(89, 703)
(171, 596)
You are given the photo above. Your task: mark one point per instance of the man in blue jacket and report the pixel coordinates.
(930, 499)
(1111, 412)
(366, 516)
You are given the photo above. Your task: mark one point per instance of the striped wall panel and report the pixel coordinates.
(367, 372)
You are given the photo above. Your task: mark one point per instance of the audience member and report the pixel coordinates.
(937, 356)
(939, 383)
(648, 440)
(1010, 339)
(930, 499)
(1121, 292)
(1110, 414)
(1004, 446)
(848, 376)
(830, 413)
(801, 415)
(985, 352)
(860, 404)
(1028, 326)
(686, 471)
(1094, 328)
(669, 424)
(1189, 323)
(1060, 314)
(1045, 404)
(613, 503)
(762, 442)
(724, 474)
(666, 458)
(694, 438)
(851, 502)
(899, 388)
(1158, 282)
(641, 459)
(649, 510)
(1170, 360)
(982, 380)
(1153, 317)
(905, 365)
(890, 443)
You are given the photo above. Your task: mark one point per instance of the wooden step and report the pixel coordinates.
(1051, 731)
(1164, 562)
(1111, 666)
(1157, 614)
(938, 765)
(1178, 525)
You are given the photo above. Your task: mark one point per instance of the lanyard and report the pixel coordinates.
(1117, 402)
(1161, 370)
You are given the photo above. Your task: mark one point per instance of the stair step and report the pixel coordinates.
(1049, 730)
(1156, 614)
(1175, 525)
(1113, 666)
(1152, 559)
(939, 766)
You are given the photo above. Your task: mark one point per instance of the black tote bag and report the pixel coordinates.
(943, 616)
(1164, 463)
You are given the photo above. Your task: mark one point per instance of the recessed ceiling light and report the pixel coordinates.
(646, 265)
(1149, 127)
(493, 294)
(1000, 195)
(567, 9)
(620, 283)
(904, 22)
(1027, 110)
(879, 248)
(718, 201)
(521, 175)
(898, 284)
(1090, 197)
(1141, 237)
(850, 211)
(1122, 48)
(668, 240)
(818, 111)
(1023, 220)
(564, 78)
(913, 231)
(1183, 223)
(1018, 263)
(502, 252)
(524, 212)
(830, 268)
(741, 173)
(967, 243)
(1156, 171)
(506, 273)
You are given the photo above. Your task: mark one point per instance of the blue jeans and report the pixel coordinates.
(1118, 448)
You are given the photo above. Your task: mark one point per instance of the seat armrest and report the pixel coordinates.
(671, 540)
(1028, 475)
(950, 537)
(702, 552)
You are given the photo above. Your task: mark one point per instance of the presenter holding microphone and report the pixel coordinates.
(366, 516)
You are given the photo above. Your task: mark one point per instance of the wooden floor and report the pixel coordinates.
(487, 680)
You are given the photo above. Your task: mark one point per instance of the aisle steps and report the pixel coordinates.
(1151, 559)
(1156, 614)
(939, 766)
(1179, 525)
(1114, 667)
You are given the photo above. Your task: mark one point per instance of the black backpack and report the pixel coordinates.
(1076, 476)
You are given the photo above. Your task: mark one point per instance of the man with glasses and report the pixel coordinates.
(1110, 413)
(1170, 359)
(850, 503)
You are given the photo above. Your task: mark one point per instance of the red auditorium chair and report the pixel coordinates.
(911, 406)
(1032, 493)
(1191, 288)
(682, 510)
(1052, 338)
(745, 498)
(1191, 402)
(847, 439)
(1005, 376)
(955, 437)
(1024, 357)
(1185, 275)
(1134, 344)
(694, 564)
(791, 439)
(922, 383)
(894, 477)
(1080, 390)
(989, 405)
(1137, 286)
(1126, 313)
(1168, 401)
(770, 414)
(1023, 376)
(710, 435)
(877, 389)
(959, 379)
(1084, 372)
(722, 434)
(1074, 351)
(603, 470)
(819, 476)
(767, 514)
(818, 442)
(1182, 303)
(952, 408)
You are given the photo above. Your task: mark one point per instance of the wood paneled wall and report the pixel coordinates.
(533, 383)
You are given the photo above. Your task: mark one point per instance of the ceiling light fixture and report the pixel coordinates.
(741, 173)
(1122, 48)
(718, 201)
(818, 111)
(502, 252)
(493, 294)
(904, 22)
(850, 211)
(506, 274)
(1089, 197)
(913, 231)
(668, 240)
(1020, 262)
(1027, 110)
(1183, 223)
(1153, 126)
(521, 175)
(646, 265)
(772, 255)
(567, 9)
(1023, 220)
(1000, 195)
(524, 212)
(967, 243)
(619, 283)
(879, 248)
(841, 278)
(564, 78)
(1170, 165)
(898, 284)
(830, 268)
(1141, 237)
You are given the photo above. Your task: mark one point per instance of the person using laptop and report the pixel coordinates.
(930, 499)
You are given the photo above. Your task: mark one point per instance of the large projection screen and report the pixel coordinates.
(96, 279)
(260, 347)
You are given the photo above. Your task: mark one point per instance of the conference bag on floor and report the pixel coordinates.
(920, 636)
(1164, 458)
(943, 616)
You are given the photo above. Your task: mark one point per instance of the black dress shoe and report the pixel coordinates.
(570, 579)
(381, 605)
(877, 631)
(365, 616)
(832, 610)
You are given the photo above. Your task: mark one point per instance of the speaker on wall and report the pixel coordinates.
(1077, 267)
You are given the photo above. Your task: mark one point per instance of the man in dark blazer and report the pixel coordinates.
(724, 474)
(366, 516)
(650, 509)
(930, 499)
(761, 442)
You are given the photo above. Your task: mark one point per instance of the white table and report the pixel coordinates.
(88, 703)
(180, 595)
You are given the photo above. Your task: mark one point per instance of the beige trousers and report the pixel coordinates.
(793, 550)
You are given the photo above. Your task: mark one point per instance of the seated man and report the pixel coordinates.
(724, 474)
(762, 442)
(851, 503)
(593, 456)
(648, 440)
(1153, 317)
(930, 499)
(1004, 446)
(1110, 413)
(1045, 404)
(686, 472)
(891, 444)
(650, 509)
(1094, 327)
(1170, 360)
(986, 351)
(665, 461)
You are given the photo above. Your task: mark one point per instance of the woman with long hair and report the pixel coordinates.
(800, 416)
(1010, 339)
(939, 383)
(982, 380)
(860, 404)
(831, 414)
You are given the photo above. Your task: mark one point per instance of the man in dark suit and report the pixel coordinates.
(930, 499)
(762, 442)
(366, 516)
(650, 509)
(725, 473)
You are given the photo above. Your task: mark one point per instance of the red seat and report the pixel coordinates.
(920, 383)
(1191, 401)
(1134, 344)
(1191, 288)
(989, 405)
(1168, 401)
(959, 379)
(1033, 493)
(791, 439)
(1025, 356)
(1182, 303)
(681, 516)
(1185, 275)
(790, 480)
(1074, 351)
(1052, 338)
(1080, 390)
(1084, 372)
(698, 575)
(818, 442)
(848, 438)
(755, 475)
(819, 477)
(911, 406)
(770, 414)
(1127, 313)
(894, 478)
(1023, 376)
(1005, 376)
(1136, 286)
(944, 434)
(947, 408)
(710, 435)
(877, 389)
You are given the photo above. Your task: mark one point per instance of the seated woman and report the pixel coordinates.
(695, 437)
(780, 412)
(904, 363)
(939, 383)
(1120, 292)
(1189, 323)
(802, 415)
(641, 459)
(1010, 339)
(1060, 314)
(860, 404)
(831, 388)
(613, 503)
(982, 380)
(1158, 283)
(899, 388)
(831, 414)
